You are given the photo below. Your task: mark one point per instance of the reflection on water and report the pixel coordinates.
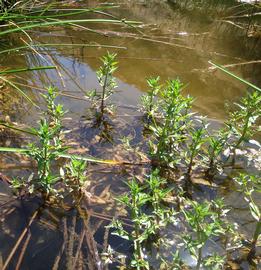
(174, 40)
(177, 44)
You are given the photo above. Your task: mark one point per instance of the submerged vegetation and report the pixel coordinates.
(168, 210)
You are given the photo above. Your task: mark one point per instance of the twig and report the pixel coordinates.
(92, 247)
(71, 239)
(9, 258)
(78, 250)
(65, 238)
(21, 256)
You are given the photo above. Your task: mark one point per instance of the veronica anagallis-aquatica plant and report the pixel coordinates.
(49, 146)
(242, 122)
(197, 137)
(149, 103)
(204, 223)
(169, 131)
(148, 213)
(107, 83)
(250, 185)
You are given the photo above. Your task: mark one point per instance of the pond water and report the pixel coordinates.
(173, 41)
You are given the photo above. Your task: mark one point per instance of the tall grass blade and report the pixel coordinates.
(64, 22)
(68, 156)
(18, 70)
(235, 76)
(18, 90)
(61, 45)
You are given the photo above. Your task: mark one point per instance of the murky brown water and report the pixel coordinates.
(179, 42)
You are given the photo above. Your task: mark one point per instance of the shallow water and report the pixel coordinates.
(178, 42)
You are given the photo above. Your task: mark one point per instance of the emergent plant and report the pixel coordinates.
(150, 106)
(49, 147)
(170, 130)
(148, 213)
(197, 138)
(204, 223)
(242, 121)
(106, 81)
(249, 184)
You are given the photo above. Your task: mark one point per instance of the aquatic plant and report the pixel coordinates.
(146, 221)
(197, 137)
(149, 105)
(217, 143)
(179, 139)
(242, 121)
(249, 184)
(204, 223)
(107, 83)
(75, 179)
(135, 201)
(169, 133)
(156, 188)
(50, 145)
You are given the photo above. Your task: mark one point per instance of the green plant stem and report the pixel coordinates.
(245, 129)
(45, 162)
(103, 91)
(193, 152)
(137, 245)
(257, 232)
(190, 163)
(199, 258)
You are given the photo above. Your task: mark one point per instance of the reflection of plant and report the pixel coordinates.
(205, 223)
(106, 81)
(250, 184)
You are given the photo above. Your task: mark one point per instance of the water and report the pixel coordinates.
(176, 41)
